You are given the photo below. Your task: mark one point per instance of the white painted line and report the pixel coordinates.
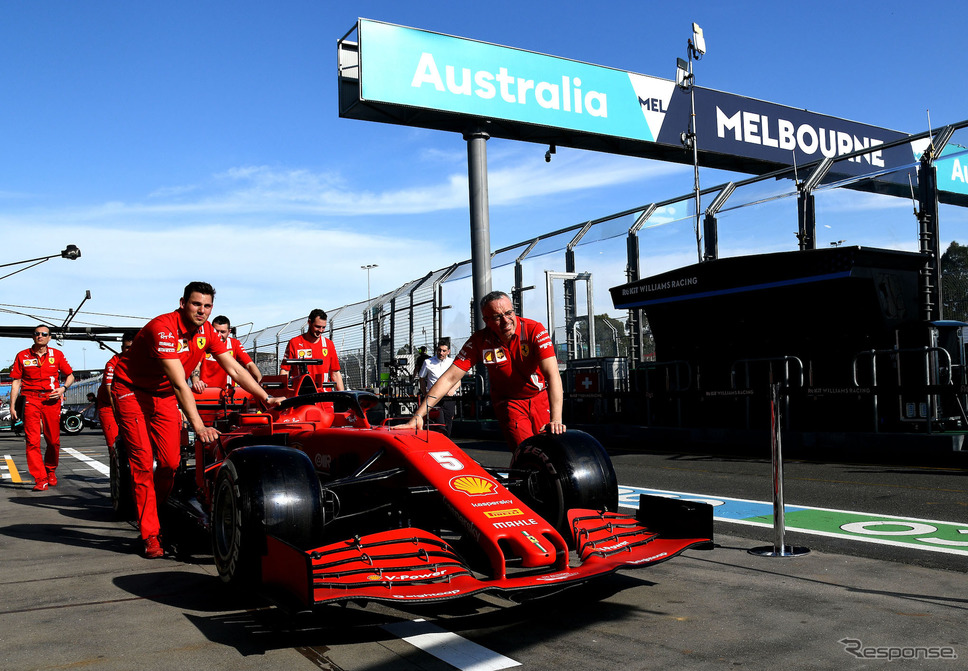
(449, 647)
(93, 463)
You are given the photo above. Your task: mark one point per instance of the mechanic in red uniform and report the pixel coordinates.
(209, 373)
(35, 375)
(150, 383)
(314, 345)
(104, 401)
(520, 360)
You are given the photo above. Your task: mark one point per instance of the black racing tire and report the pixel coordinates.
(262, 490)
(122, 496)
(569, 470)
(72, 423)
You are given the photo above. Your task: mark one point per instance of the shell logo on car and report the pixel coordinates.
(473, 485)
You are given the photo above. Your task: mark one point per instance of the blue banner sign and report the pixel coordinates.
(404, 66)
(421, 78)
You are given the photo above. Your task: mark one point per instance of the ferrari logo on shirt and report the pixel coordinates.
(200, 342)
(325, 351)
(525, 349)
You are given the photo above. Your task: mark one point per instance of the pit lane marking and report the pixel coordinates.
(10, 470)
(908, 532)
(93, 463)
(449, 647)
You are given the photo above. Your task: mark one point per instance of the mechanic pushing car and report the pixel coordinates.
(520, 359)
(150, 383)
(209, 373)
(104, 401)
(314, 345)
(35, 376)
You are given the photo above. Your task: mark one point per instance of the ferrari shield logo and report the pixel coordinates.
(525, 349)
(325, 351)
(200, 342)
(51, 360)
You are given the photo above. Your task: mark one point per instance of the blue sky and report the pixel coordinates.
(200, 140)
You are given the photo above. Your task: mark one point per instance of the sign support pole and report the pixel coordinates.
(480, 222)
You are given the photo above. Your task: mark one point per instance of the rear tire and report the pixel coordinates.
(569, 470)
(122, 498)
(72, 424)
(259, 491)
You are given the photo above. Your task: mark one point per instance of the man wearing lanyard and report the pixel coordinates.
(430, 371)
(150, 383)
(209, 373)
(35, 375)
(522, 370)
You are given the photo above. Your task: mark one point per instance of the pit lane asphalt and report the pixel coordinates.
(74, 593)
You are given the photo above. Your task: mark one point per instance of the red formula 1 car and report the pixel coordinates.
(317, 505)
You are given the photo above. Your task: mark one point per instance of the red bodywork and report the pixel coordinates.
(518, 549)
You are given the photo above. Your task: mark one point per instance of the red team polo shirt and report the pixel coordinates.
(107, 378)
(39, 373)
(213, 374)
(300, 348)
(512, 368)
(165, 337)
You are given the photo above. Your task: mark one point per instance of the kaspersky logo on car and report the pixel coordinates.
(473, 485)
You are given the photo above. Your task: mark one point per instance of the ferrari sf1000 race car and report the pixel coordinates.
(313, 504)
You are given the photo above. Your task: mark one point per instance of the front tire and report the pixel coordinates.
(566, 471)
(262, 490)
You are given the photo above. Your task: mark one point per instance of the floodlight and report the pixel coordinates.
(71, 252)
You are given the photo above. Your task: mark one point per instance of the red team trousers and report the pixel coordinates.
(152, 427)
(39, 411)
(522, 418)
(108, 424)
